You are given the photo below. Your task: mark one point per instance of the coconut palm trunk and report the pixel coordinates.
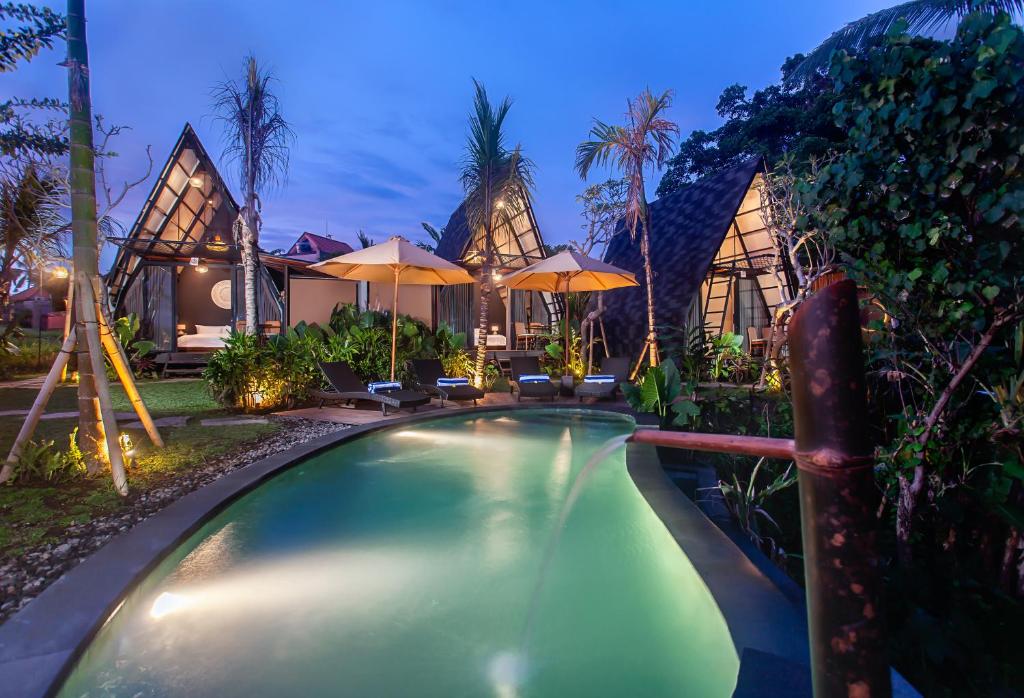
(645, 253)
(99, 435)
(645, 140)
(245, 239)
(258, 138)
(497, 180)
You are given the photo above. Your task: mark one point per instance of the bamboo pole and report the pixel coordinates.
(125, 375)
(394, 323)
(69, 305)
(36, 411)
(108, 422)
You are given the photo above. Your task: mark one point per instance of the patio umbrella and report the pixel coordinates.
(399, 262)
(566, 272)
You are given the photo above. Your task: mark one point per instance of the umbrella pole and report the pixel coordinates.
(394, 324)
(565, 357)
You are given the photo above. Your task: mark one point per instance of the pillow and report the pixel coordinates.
(215, 330)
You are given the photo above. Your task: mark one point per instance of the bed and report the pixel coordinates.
(206, 337)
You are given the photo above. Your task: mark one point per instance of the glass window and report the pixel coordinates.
(188, 160)
(177, 179)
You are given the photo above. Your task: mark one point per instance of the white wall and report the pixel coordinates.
(412, 300)
(312, 299)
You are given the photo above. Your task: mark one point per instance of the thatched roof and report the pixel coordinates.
(687, 228)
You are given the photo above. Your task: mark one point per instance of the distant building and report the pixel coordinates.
(311, 247)
(36, 308)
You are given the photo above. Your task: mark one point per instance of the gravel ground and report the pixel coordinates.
(24, 578)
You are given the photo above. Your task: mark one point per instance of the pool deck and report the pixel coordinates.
(371, 414)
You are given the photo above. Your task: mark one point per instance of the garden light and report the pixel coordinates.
(127, 447)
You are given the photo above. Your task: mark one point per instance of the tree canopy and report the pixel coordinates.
(924, 205)
(787, 117)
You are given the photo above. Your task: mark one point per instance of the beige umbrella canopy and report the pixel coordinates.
(566, 272)
(396, 261)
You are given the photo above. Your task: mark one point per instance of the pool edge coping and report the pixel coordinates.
(38, 653)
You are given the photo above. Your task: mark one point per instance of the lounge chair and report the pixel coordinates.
(346, 387)
(429, 372)
(530, 366)
(616, 366)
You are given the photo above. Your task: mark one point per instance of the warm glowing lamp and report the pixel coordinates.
(217, 244)
(196, 181)
(60, 272)
(202, 268)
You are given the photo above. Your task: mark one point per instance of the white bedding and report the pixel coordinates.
(201, 341)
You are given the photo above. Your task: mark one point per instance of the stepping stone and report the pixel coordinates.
(232, 421)
(60, 415)
(71, 415)
(161, 422)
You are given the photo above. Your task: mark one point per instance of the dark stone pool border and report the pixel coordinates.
(40, 644)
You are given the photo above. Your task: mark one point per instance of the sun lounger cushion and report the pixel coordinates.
(534, 378)
(383, 386)
(599, 378)
(447, 382)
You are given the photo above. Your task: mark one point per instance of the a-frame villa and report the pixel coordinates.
(179, 270)
(713, 259)
(516, 319)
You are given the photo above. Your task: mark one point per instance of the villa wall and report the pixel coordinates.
(412, 300)
(311, 300)
(195, 304)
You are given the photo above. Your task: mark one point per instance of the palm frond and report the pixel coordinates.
(256, 138)
(922, 17)
(646, 140)
(490, 171)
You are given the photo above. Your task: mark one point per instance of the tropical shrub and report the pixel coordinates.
(726, 359)
(42, 462)
(365, 341)
(239, 375)
(661, 391)
(747, 502)
(924, 205)
(555, 351)
(256, 373)
(126, 329)
(23, 354)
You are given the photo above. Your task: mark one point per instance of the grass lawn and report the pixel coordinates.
(40, 511)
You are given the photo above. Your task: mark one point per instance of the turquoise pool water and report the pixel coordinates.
(403, 564)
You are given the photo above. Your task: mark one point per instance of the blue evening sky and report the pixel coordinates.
(378, 93)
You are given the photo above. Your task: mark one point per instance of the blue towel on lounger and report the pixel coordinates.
(384, 386)
(448, 382)
(599, 378)
(533, 378)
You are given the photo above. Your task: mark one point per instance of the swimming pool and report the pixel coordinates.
(406, 562)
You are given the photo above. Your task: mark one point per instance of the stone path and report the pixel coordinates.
(160, 422)
(232, 421)
(173, 421)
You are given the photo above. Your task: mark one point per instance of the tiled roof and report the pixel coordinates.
(456, 235)
(687, 228)
(328, 246)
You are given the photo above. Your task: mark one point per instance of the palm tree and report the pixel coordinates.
(497, 181)
(646, 140)
(921, 16)
(31, 228)
(257, 137)
(435, 237)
